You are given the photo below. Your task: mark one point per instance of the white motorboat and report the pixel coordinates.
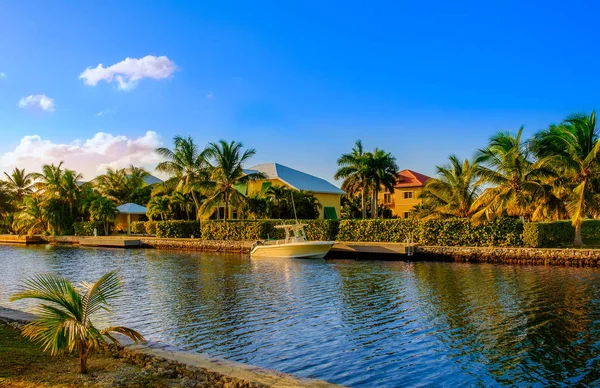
(295, 245)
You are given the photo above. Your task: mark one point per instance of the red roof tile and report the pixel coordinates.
(409, 178)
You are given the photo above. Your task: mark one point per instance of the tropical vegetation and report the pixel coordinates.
(64, 316)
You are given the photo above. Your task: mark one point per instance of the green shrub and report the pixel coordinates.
(138, 227)
(501, 232)
(150, 227)
(590, 229)
(250, 230)
(558, 233)
(177, 229)
(390, 230)
(86, 228)
(451, 232)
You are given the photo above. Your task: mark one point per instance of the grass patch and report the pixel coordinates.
(24, 365)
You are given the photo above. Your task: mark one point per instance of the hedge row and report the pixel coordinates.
(558, 233)
(451, 232)
(262, 229)
(177, 229)
(86, 228)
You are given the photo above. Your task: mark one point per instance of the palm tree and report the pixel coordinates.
(49, 180)
(571, 151)
(159, 206)
(69, 189)
(104, 210)
(381, 171)
(20, 183)
(64, 322)
(225, 171)
(516, 183)
(353, 170)
(452, 194)
(31, 217)
(111, 184)
(279, 196)
(187, 164)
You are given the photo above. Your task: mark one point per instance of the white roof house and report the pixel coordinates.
(295, 179)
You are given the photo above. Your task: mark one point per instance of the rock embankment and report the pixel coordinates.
(198, 245)
(531, 256)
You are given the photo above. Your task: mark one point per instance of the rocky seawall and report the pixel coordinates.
(529, 256)
(198, 245)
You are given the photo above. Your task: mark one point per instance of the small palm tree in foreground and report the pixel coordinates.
(64, 322)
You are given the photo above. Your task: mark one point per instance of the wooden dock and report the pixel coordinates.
(14, 239)
(369, 250)
(109, 242)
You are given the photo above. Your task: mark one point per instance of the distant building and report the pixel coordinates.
(407, 190)
(326, 193)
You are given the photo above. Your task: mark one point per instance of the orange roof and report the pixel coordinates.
(409, 178)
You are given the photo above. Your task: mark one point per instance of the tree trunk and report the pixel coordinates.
(364, 203)
(578, 240)
(226, 207)
(197, 205)
(105, 230)
(83, 355)
(374, 210)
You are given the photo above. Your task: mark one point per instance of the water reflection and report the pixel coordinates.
(351, 322)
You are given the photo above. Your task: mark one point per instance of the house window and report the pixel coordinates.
(329, 213)
(387, 198)
(406, 214)
(408, 195)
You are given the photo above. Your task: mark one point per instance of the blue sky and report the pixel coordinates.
(297, 81)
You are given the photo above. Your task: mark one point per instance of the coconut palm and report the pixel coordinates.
(279, 196)
(159, 206)
(453, 192)
(64, 322)
(516, 184)
(31, 217)
(381, 171)
(49, 180)
(104, 210)
(353, 170)
(571, 149)
(186, 163)
(225, 171)
(20, 183)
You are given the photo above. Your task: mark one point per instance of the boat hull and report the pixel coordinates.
(303, 250)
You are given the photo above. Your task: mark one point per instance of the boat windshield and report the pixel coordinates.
(293, 233)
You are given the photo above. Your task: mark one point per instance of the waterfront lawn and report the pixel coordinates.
(24, 365)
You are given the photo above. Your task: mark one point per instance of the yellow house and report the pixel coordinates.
(407, 190)
(327, 194)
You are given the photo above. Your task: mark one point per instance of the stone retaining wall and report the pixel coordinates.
(198, 244)
(532, 256)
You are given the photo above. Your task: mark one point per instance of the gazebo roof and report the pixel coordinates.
(131, 208)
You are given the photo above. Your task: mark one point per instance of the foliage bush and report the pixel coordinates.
(86, 228)
(392, 230)
(451, 232)
(246, 230)
(177, 229)
(150, 227)
(138, 227)
(557, 233)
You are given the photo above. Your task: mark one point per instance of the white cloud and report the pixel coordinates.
(90, 157)
(37, 101)
(129, 71)
(104, 112)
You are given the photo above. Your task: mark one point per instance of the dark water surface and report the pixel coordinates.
(357, 323)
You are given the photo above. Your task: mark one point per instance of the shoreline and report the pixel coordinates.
(570, 257)
(195, 366)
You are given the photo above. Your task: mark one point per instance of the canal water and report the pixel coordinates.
(357, 323)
